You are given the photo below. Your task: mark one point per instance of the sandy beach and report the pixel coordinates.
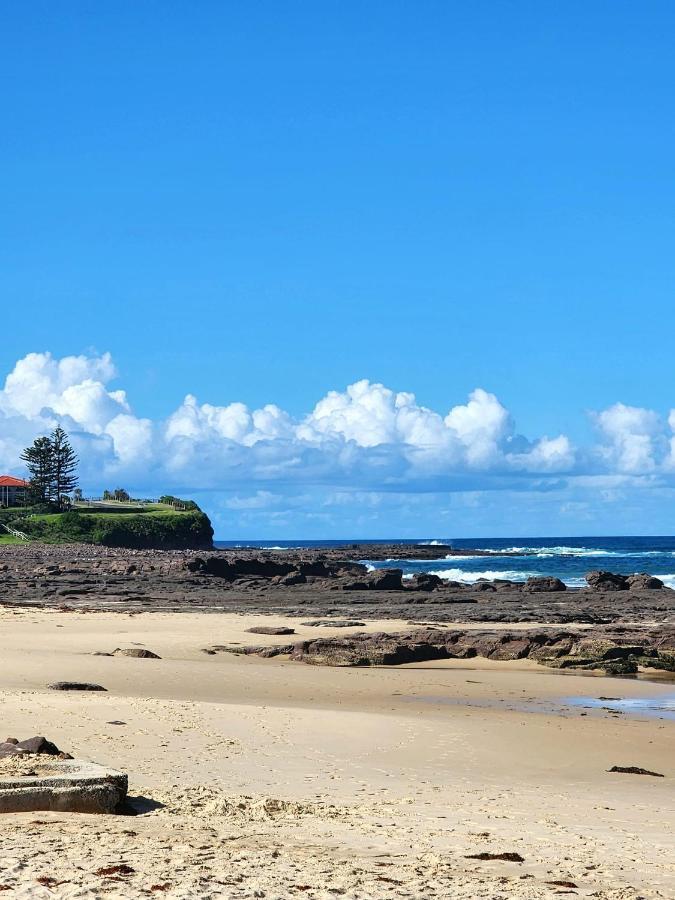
(268, 778)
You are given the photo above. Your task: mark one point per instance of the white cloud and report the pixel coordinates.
(366, 438)
(632, 436)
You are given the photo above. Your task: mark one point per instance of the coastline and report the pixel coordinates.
(337, 765)
(267, 777)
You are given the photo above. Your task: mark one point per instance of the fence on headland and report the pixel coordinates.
(15, 533)
(109, 504)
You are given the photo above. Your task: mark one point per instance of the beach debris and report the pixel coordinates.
(635, 770)
(506, 857)
(135, 652)
(120, 869)
(270, 629)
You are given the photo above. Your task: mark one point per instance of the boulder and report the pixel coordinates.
(38, 744)
(425, 581)
(379, 580)
(10, 749)
(641, 581)
(544, 584)
(606, 581)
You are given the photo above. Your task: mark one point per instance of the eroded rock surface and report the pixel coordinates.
(616, 650)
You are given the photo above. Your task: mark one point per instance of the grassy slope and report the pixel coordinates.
(159, 528)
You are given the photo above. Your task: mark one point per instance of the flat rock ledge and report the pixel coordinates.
(63, 786)
(619, 650)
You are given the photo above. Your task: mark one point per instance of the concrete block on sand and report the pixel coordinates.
(31, 783)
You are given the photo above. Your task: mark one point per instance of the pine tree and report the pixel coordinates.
(39, 461)
(64, 464)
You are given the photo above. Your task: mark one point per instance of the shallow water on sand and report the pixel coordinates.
(658, 706)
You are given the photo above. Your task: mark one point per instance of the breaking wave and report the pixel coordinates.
(488, 574)
(569, 551)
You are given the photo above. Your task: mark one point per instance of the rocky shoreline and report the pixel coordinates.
(308, 583)
(633, 617)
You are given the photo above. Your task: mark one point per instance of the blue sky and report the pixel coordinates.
(262, 203)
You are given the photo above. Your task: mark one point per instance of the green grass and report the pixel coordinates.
(154, 512)
(10, 539)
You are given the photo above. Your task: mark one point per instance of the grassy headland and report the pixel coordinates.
(155, 526)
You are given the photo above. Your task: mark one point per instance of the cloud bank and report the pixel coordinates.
(366, 438)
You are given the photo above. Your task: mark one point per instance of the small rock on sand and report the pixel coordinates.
(270, 629)
(334, 623)
(75, 686)
(136, 652)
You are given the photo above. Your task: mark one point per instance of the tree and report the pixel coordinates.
(64, 464)
(39, 461)
(52, 466)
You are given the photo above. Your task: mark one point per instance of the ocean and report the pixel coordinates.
(520, 558)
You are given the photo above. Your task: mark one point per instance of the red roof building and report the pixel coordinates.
(12, 490)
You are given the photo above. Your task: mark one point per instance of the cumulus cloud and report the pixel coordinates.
(364, 438)
(633, 437)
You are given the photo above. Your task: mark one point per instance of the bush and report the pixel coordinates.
(170, 500)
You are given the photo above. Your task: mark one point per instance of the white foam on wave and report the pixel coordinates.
(488, 574)
(574, 551)
(668, 580)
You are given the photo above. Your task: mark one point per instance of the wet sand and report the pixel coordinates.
(278, 779)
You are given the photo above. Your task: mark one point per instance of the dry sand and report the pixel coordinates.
(281, 780)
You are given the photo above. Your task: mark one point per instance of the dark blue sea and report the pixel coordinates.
(519, 558)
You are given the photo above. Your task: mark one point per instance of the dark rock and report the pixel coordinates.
(11, 740)
(292, 578)
(644, 582)
(75, 686)
(425, 581)
(635, 770)
(506, 857)
(334, 623)
(621, 667)
(135, 652)
(269, 629)
(544, 584)
(39, 744)
(379, 580)
(606, 581)
(9, 749)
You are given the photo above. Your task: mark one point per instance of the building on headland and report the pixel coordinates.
(13, 491)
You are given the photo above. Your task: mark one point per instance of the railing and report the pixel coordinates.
(15, 533)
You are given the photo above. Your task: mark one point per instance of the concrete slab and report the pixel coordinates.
(30, 784)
